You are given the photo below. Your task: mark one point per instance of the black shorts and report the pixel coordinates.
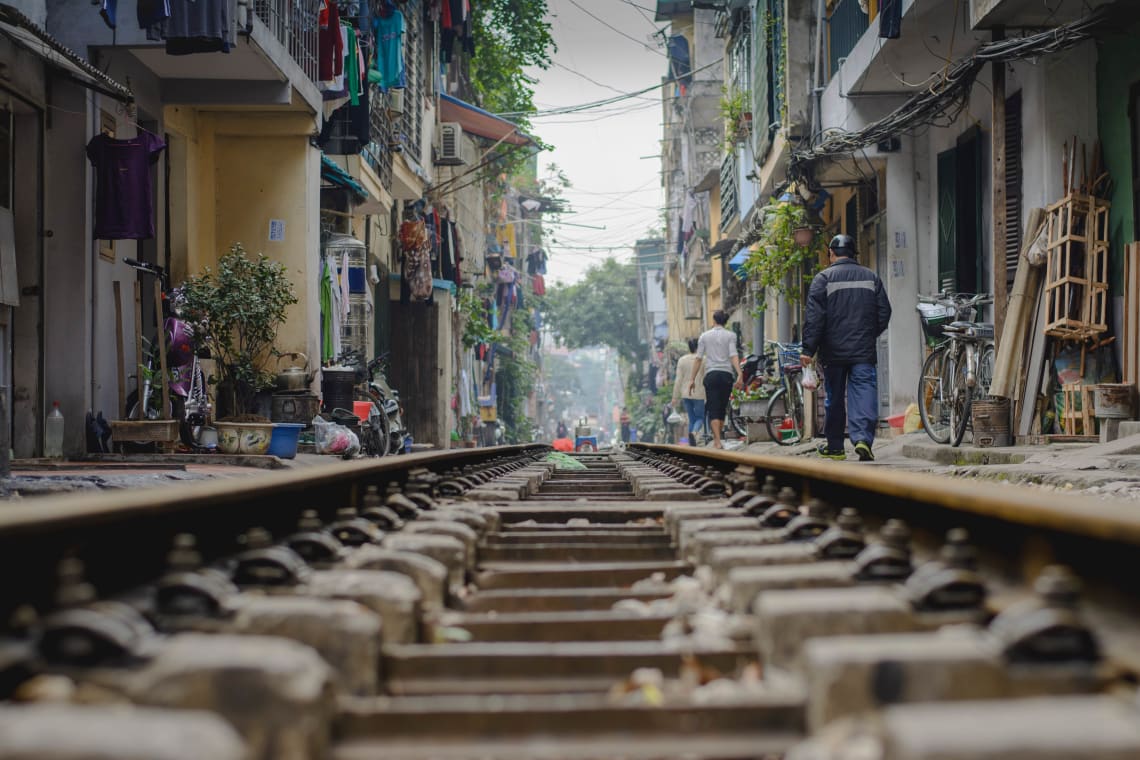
(718, 388)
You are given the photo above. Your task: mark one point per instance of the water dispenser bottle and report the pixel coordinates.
(53, 434)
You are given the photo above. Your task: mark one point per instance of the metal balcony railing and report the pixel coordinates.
(294, 23)
(378, 153)
(845, 26)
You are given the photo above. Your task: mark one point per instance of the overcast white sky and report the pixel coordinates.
(600, 149)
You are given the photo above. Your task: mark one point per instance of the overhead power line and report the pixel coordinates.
(606, 101)
(947, 96)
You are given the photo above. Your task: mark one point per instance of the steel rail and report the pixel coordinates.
(123, 536)
(1019, 530)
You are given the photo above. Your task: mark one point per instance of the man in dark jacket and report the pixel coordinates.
(847, 310)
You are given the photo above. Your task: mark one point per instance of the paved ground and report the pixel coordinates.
(44, 477)
(1109, 470)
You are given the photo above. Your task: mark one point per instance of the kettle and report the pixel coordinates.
(295, 378)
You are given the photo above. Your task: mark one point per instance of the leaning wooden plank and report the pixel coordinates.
(1035, 368)
(1018, 312)
(1130, 323)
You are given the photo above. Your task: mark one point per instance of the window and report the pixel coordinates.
(7, 157)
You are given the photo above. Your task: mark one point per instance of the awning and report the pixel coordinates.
(478, 122)
(336, 174)
(723, 247)
(20, 29)
(736, 264)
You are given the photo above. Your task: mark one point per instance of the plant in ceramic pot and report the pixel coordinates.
(236, 310)
(788, 252)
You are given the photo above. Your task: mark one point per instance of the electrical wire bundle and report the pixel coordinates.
(949, 94)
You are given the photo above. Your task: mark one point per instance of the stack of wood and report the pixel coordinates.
(1076, 286)
(1130, 319)
(1062, 296)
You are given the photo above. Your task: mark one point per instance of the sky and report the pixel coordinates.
(601, 150)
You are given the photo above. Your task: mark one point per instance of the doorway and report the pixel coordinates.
(960, 226)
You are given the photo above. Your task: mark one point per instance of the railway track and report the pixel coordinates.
(657, 603)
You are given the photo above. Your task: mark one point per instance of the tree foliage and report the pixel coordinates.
(601, 309)
(235, 312)
(512, 35)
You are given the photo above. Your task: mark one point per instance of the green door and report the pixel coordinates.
(948, 220)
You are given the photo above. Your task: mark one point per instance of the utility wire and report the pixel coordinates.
(608, 101)
(611, 27)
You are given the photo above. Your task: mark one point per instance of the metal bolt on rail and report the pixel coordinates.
(782, 510)
(188, 589)
(844, 539)
(353, 530)
(889, 558)
(759, 504)
(264, 564)
(808, 525)
(316, 545)
(950, 582)
(85, 633)
(1048, 627)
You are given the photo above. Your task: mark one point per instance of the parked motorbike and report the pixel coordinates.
(387, 399)
(383, 432)
(189, 403)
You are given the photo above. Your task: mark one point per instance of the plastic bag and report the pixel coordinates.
(332, 438)
(810, 380)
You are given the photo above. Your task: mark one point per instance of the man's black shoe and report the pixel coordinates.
(863, 449)
(827, 453)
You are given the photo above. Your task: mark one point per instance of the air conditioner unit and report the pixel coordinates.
(450, 151)
(396, 100)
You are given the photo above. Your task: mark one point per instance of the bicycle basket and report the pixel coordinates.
(934, 317)
(790, 355)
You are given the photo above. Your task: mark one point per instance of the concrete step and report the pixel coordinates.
(546, 660)
(559, 626)
(566, 715)
(555, 599)
(578, 552)
(608, 512)
(660, 746)
(586, 486)
(599, 536)
(535, 575)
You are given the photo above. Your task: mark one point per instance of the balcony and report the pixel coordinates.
(987, 14)
(864, 65)
(272, 59)
(845, 25)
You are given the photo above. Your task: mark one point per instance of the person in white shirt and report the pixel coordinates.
(717, 356)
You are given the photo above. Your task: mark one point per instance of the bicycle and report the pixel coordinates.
(755, 372)
(789, 399)
(960, 367)
(189, 401)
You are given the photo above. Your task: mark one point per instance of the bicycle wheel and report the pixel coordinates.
(932, 401)
(737, 421)
(378, 419)
(985, 372)
(781, 408)
(961, 399)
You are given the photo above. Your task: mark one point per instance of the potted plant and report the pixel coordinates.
(734, 110)
(787, 251)
(236, 311)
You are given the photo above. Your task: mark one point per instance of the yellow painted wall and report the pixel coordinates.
(231, 173)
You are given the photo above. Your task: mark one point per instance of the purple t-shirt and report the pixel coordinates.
(123, 208)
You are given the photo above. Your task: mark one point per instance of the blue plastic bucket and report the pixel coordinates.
(283, 442)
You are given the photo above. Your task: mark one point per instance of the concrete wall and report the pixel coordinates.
(1118, 72)
(273, 177)
(36, 10)
(231, 173)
